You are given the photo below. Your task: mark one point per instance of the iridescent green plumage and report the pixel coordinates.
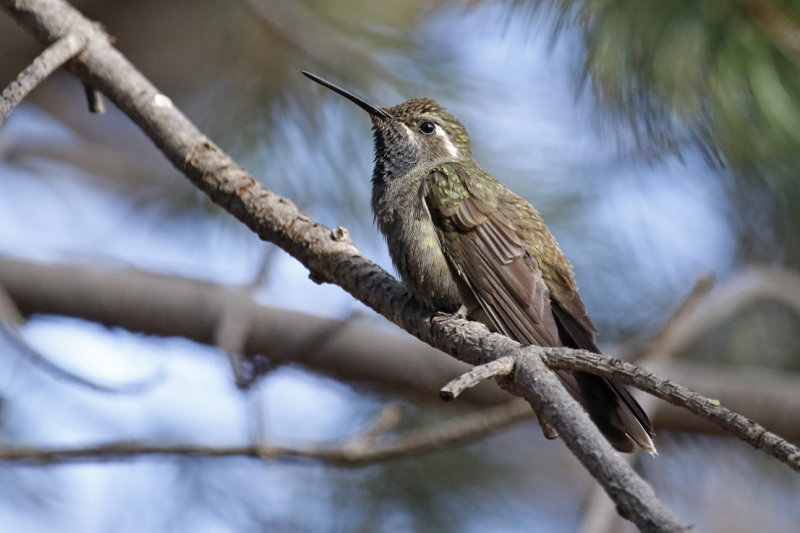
(461, 240)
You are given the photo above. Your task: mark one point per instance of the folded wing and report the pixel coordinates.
(486, 249)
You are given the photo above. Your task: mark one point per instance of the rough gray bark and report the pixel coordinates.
(331, 257)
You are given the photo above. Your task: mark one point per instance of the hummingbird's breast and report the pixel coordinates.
(414, 247)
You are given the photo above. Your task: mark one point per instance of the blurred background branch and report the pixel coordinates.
(357, 451)
(362, 354)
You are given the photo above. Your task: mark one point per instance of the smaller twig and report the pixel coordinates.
(702, 286)
(254, 409)
(94, 99)
(265, 268)
(234, 325)
(39, 361)
(233, 328)
(10, 320)
(414, 442)
(45, 64)
(499, 367)
(708, 408)
(655, 347)
(756, 283)
(388, 418)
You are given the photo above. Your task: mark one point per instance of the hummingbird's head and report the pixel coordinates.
(417, 133)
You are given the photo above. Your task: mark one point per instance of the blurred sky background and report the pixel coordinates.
(645, 191)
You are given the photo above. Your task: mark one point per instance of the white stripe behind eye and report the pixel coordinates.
(448, 145)
(452, 151)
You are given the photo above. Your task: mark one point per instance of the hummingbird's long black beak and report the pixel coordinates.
(363, 103)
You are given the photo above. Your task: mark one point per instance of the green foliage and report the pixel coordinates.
(724, 69)
(721, 75)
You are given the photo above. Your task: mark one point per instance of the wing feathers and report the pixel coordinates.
(486, 250)
(502, 278)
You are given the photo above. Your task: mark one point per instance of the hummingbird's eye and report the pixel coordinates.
(427, 128)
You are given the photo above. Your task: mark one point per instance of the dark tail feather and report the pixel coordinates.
(618, 416)
(611, 407)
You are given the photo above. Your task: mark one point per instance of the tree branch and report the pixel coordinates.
(499, 367)
(11, 318)
(658, 346)
(753, 284)
(168, 305)
(740, 426)
(58, 53)
(94, 99)
(359, 451)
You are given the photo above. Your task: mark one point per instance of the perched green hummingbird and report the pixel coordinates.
(464, 243)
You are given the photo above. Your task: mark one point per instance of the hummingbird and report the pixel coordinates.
(466, 245)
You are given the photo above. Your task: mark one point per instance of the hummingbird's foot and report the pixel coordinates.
(442, 318)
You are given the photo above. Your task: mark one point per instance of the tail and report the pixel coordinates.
(611, 407)
(616, 413)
